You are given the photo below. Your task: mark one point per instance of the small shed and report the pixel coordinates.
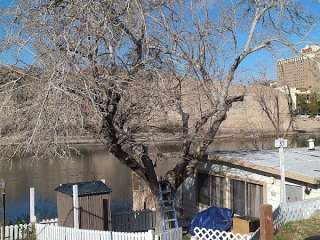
(94, 205)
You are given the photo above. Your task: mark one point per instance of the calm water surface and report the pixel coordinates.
(93, 163)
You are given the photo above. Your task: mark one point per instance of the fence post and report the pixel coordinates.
(266, 223)
(75, 206)
(4, 216)
(33, 218)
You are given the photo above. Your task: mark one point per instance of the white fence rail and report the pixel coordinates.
(136, 221)
(209, 234)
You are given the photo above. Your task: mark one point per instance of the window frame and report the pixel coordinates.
(227, 198)
(246, 180)
(224, 187)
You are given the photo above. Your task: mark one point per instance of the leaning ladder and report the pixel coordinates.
(167, 207)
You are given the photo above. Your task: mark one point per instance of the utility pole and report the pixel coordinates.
(75, 195)
(4, 213)
(32, 214)
(281, 144)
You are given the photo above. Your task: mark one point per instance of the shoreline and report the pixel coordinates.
(176, 138)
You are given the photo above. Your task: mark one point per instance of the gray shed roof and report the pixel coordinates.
(84, 188)
(300, 163)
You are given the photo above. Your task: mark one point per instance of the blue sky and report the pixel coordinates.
(262, 61)
(5, 3)
(8, 56)
(265, 60)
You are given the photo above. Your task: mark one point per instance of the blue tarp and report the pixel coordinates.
(212, 218)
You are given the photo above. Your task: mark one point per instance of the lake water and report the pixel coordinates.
(93, 163)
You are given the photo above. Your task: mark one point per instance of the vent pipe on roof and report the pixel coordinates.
(311, 144)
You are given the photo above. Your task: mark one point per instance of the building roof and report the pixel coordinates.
(301, 164)
(84, 188)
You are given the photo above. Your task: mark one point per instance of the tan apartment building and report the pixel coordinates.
(301, 72)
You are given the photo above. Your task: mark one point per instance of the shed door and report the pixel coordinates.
(105, 214)
(294, 193)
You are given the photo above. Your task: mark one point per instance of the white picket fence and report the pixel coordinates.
(209, 234)
(49, 232)
(15, 232)
(22, 231)
(53, 232)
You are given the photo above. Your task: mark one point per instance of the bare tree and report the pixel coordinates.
(110, 68)
(277, 105)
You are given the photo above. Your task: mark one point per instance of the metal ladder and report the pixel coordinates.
(167, 207)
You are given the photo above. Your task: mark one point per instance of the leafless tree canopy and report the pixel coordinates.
(110, 68)
(277, 106)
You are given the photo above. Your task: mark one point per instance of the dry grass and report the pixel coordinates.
(301, 230)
